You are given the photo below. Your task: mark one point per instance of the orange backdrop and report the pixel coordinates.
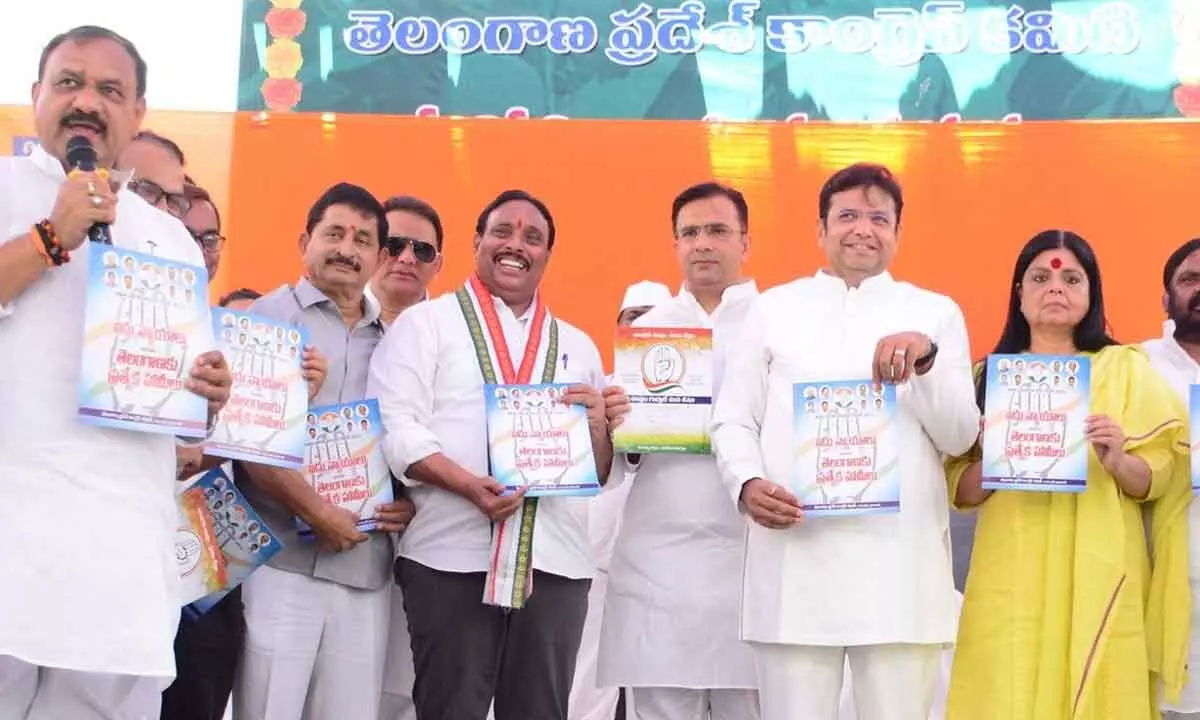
(974, 194)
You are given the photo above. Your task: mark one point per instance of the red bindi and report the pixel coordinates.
(1056, 263)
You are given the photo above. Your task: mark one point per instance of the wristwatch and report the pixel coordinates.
(926, 360)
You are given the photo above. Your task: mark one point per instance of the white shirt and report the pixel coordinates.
(425, 374)
(1181, 372)
(373, 299)
(87, 514)
(606, 510)
(858, 580)
(672, 611)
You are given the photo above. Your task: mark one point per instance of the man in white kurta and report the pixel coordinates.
(671, 612)
(1176, 356)
(875, 589)
(87, 514)
(589, 700)
(429, 375)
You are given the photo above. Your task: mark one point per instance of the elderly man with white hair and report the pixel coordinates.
(588, 700)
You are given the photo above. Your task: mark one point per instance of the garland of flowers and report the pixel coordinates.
(285, 21)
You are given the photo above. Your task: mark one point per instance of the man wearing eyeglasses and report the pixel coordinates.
(157, 165)
(414, 245)
(203, 221)
(208, 646)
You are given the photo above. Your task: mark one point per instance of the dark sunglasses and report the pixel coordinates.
(422, 251)
(177, 204)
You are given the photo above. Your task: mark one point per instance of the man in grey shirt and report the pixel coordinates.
(317, 614)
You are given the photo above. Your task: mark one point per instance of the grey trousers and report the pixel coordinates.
(466, 653)
(1172, 715)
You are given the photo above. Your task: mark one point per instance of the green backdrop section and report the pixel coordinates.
(838, 60)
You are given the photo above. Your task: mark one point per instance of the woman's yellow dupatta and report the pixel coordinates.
(1126, 388)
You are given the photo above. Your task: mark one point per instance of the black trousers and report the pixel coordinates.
(207, 651)
(466, 653)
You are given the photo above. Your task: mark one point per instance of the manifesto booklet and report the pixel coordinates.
(145, 323)
(345, 462)
(264, 420)
(536, 441)
(846, 459)
(1035, 411)
(668, 375)
(201, 565)
(243, 539)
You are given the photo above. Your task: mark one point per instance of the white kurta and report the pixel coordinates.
(87, 514)
(671, 614)
(860, 580)
(589, 700)
(1181, 371)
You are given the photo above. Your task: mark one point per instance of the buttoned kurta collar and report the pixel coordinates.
(826, 281)
(731, 294)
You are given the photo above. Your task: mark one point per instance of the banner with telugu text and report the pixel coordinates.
(735, 60)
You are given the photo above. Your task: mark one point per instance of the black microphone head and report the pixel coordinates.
(81, 154)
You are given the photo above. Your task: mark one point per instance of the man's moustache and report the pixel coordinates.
(348, 262)
(79, 118)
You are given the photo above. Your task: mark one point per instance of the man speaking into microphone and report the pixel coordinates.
(87, 514)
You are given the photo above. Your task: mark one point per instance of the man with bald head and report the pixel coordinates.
(158, 178)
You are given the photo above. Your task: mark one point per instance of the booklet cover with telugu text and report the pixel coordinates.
(146, 320)
(846, 460)
(345, 463)
(1035, 411)
(263, 422)
(538, 442)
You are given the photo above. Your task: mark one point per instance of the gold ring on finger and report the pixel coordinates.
(91, 188)
(771, 491)
(97, 201)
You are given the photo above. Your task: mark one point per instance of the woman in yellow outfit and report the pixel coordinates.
(1062, 618)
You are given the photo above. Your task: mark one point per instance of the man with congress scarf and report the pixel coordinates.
(495, 585)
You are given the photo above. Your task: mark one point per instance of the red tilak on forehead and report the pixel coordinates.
(520, 223)
(1056, 263)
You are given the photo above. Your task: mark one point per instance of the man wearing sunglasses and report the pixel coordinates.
(204, 223)
(414, 247)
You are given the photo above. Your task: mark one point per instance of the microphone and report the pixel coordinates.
(81, 157)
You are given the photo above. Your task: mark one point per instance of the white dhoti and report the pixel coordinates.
(589, 701)
(805, 682)
(28, 692)
(399, 674)
(314, 649)
(937, 711)
(688, 704)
